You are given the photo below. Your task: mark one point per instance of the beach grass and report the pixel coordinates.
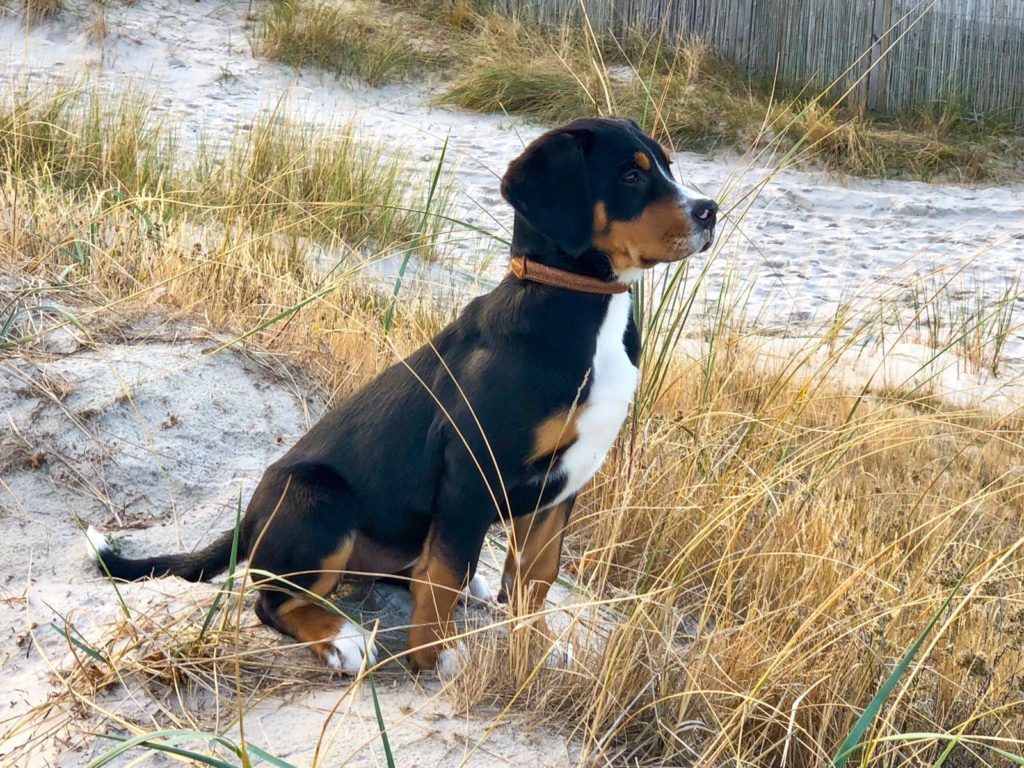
(770, 538)
(275, 176)
(344, 39)
(38, 10)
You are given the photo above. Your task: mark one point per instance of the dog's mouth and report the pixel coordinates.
(699, 242)
(706, 239)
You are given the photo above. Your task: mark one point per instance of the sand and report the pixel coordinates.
(146, 433)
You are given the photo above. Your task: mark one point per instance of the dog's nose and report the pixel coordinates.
(706, 213)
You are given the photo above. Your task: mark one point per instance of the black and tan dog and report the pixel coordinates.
(505, 415)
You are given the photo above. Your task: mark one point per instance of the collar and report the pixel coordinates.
(525, 268)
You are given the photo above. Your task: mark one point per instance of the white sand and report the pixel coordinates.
(195, 432)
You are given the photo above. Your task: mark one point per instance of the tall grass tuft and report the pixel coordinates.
(276, 177)
(346, 40)
(38, 10)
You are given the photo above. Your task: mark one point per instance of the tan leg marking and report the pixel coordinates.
(531, 565)
(309, 622)
(435, 589)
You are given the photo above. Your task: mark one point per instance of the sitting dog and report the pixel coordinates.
(504, 415)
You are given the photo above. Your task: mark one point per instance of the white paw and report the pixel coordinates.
(478, 590)
(452, 659)
(97, 544)
(348, 649)
(560, 656)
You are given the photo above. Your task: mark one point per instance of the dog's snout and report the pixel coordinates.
(705, 213)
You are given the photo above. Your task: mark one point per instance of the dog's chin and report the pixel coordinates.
(684, 249)
(702, 241)
(670, 258)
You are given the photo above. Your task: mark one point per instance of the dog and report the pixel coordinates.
(504, 416)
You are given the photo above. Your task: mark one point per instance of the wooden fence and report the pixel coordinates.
(893, 53)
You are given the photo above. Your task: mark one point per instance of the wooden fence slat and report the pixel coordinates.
(967, 51)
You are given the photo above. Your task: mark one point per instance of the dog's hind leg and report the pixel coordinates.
(337, 641)
(297, 557)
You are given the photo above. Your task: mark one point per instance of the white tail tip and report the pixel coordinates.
(97, 544)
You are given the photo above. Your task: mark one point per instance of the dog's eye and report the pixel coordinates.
(631, 177)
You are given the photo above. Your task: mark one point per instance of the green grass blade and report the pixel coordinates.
(106, 572)
(262, 754)
(380, 724)
(65, 633)
(230, 582)
(146, 740)
(173, 736)
(853, 740)
(188, 753)
(390, 316)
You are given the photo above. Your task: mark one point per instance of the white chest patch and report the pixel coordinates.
(613, 380)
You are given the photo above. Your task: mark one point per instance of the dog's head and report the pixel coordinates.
(602, 184)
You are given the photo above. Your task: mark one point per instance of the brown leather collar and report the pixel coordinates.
(526, 268)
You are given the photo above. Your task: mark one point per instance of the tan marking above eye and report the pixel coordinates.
(642, 161)
(665, 153)
(600, 217)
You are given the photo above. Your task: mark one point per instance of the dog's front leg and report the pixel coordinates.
(449, 556)
(531, 565)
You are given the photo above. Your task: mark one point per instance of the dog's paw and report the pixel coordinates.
(478, 592)
(97, 545)
(451, 659)
(346, 652)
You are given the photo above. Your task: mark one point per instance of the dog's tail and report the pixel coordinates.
(194, 566)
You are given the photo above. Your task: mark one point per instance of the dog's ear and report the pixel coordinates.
(548, 186)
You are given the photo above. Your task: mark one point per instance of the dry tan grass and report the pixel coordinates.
(277, 177)
(37, 10)
(773, 550)
(349, 39)
(755, 557)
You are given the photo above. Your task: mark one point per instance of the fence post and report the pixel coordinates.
(743, 41)
(881, 20)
